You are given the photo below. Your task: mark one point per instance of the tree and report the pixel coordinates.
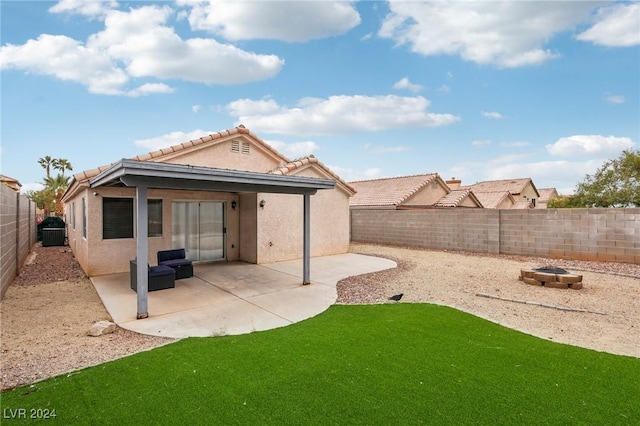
(46, 162)
(57, 185)
(50, 197)
(61, 164)
(615, 184)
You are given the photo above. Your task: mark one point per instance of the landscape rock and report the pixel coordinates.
(101, 328)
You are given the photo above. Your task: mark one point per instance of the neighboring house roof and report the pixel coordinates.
(166, 154)
(303, 162)
(456, 197)
(514, 186)
(547, 194)
(390, 192)
(493, 199)
(11, 182)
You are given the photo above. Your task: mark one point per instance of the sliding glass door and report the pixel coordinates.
(199, 227)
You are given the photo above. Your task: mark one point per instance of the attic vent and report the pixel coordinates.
(246, 147)
(434, 184)
(235, 146)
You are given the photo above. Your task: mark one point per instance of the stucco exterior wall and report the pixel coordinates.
(248, 227)
(427, 196)
(468, 202)
(505, 204)
(529, 193)
(113, 255)
(280, 223)
(221, 156)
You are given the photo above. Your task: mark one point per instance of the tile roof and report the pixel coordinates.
(389, 191)
(456, 197)
(547, 194)
(160, 154)
(514, 186)
(11, 182)
(493, 199)
(304, 161)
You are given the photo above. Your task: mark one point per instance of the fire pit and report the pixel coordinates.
(551, 276)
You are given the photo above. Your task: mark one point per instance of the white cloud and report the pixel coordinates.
(444, 88)
(67, 60)
(137, 44)
(480, 143)
(352, 175)
(294, 21)
(338, 115)
(616, 99)
(618, 26)
(93, 8)
(170, 139)
(385, 149)
(505, 33)
(295, 149)
(32, 186)
(589, 145)
(196, 108)
(516, 144)
(492, 115)
(150, 88)
(149, 48)
(404, 83)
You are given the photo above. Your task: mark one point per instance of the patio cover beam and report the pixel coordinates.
(147, 174)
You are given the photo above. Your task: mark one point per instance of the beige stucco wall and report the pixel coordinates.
(280, 223)
(529, 193)
(468, 202)
(113, 255)
(505, 204)
(220, 155)
(427, 196)
(248, 227)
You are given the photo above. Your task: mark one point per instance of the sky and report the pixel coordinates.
(477, 90)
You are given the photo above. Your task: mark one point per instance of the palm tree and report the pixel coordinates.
(61, 164)
(47, 162)
(58, 185)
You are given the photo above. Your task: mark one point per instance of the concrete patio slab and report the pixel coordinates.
(227, 298)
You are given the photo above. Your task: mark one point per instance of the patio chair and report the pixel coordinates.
(177, 259)
(160, 277)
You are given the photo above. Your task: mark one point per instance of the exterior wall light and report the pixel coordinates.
(233, 205)
(262, 203)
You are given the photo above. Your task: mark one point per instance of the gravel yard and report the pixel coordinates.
(48, 310)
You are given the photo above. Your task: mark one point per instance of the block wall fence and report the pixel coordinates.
(18, 233)
(579, 234)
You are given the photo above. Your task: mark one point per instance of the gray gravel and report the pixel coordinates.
(456, 279)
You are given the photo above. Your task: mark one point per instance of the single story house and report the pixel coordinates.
(226, 196)
(408, 192)
(11, 182)
(523, 191)
(546, 195)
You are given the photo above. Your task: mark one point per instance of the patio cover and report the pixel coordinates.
(147, 174)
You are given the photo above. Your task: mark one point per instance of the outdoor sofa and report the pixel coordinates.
(160, 277)
(176, 259)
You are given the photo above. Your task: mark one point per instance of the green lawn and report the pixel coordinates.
(375, 364)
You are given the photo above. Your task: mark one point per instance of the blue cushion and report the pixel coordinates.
(176, 262)
(157, 271)
(165, 255)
